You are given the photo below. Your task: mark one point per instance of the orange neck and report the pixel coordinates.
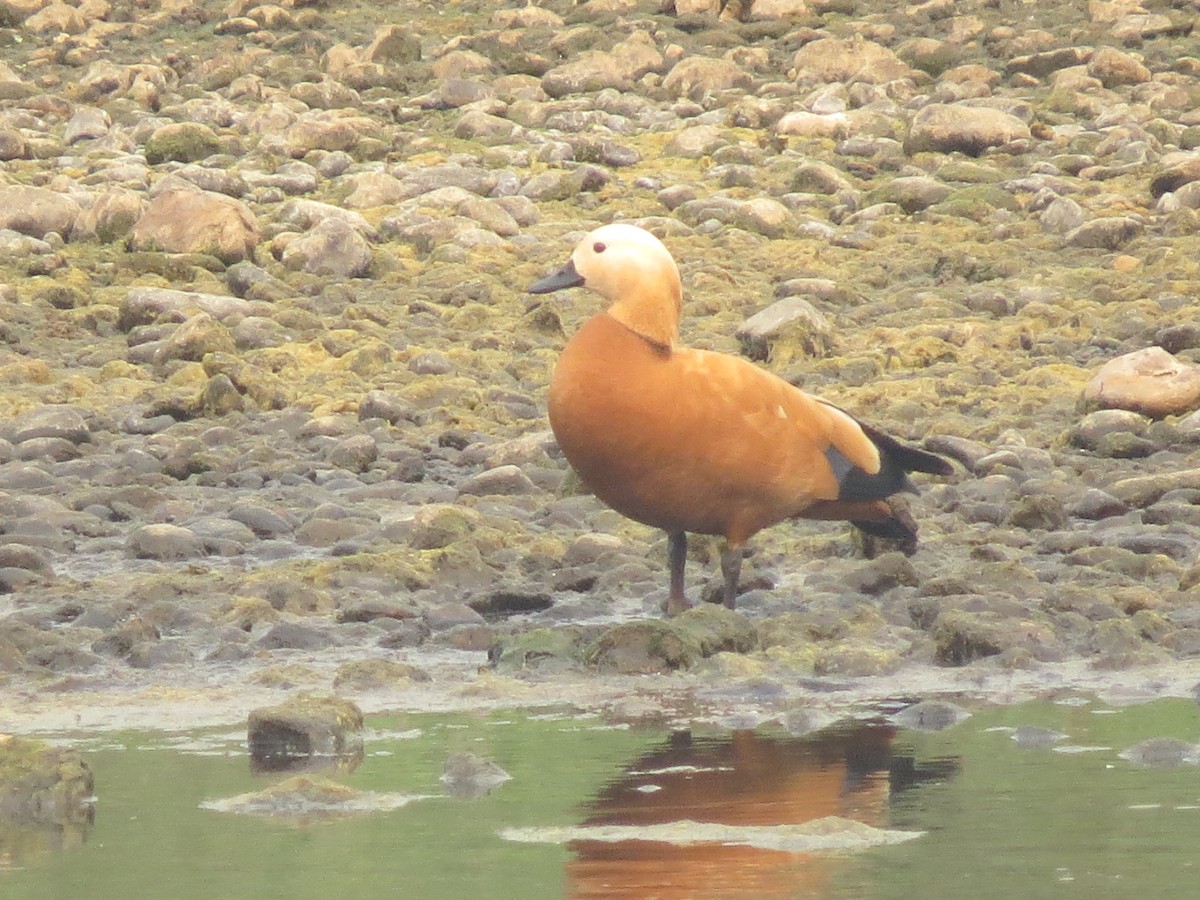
(650, 314)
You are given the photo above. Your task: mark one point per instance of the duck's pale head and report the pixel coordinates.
(630, 268)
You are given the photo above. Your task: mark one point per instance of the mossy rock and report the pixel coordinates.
(962, 637)
(438, 527)
(366, 674)
(643, 647)
(304, 729)
(796, 630)
(857, 660)
(977, 202)
(1039, 511)
(716, 629)
(181, 142)
(298, 796)
(543, 649)
(43, 785)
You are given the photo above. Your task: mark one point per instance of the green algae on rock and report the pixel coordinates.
(42, 785)
(306, 730)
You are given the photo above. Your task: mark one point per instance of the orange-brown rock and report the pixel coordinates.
(1149, 381)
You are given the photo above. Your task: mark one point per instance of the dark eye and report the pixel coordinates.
(599, 247)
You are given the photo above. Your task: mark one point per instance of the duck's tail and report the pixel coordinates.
(862, 498)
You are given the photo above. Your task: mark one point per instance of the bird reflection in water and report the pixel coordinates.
(746, 779)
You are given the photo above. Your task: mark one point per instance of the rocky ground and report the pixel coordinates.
(273, 393)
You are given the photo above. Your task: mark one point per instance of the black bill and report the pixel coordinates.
(565, 277)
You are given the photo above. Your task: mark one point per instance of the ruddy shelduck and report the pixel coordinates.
(693, 440)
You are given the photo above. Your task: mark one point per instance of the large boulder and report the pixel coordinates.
(185, 220)
(42, 785)
(950, 127)
(853, 59)
(37, 211)
(306, 730)
(1149, 381)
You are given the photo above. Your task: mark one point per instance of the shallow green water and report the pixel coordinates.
(999, 819)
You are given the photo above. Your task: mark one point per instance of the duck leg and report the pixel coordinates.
(731, 568)
(677, 556)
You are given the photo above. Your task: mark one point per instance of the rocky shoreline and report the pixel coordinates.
(273, 393)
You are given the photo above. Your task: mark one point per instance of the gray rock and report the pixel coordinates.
(500, 480)
(393, 43)
(87, 123)
(793, 320)
(307, 214)
(47, 448)
(946, 128)
(143, 306)
(1149, 381)
(931, 716)
(1109, 233)
(485, 128)
(36, 211)
(1094, 428)
(1135, 27)
(912, 193)
(15, 244)
(819, 178)
(252, 282)
(262, 521)
(1039, 65)
(297, 636)
(372, 189)
(63, 422)
(1178, 170)
(292, 178)
(45, 787)
(642, 647)
(188, 220)
(1144, 490)
(765, 216)
(1035, 737)
(111, 216)
(390, 407)
(431, 362)
(12, 144)
(1163, 752)
(1115, 68)
(217, 181)
(819, 288)
(305, 730)
(355, 453)
(31, 559)
(1038, 511)
(1061, 216)
(856, 59)
(562, 185)
(1098, 504)
(523, 210)
(451, 615)
(332, 247)
(194, 339)
(490, 215)
(721, 209)
(469, 777)
(697, 141)
(27, 479)
(323, 532)
(470, 178)
(595, 70)
(220, 396)
(325, 94)
(165, 541)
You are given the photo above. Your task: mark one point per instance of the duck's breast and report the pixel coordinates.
(687, 440)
